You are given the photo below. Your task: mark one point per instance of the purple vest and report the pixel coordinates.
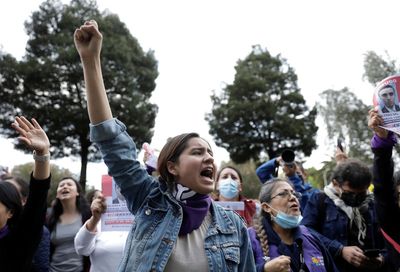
(313, 258)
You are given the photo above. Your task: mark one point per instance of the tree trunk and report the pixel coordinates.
(84, 161)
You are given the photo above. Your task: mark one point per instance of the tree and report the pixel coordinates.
(48, 82)
(377, 68)
(346, 116)
(263, 111)
(24, 171)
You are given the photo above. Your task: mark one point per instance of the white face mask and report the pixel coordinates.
(228, 188)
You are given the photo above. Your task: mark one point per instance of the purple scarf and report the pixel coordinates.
(4, 231)
(194, 206)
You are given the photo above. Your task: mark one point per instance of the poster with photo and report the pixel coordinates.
(117, 216)
(386, 99)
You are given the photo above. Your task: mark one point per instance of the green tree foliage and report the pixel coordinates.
(321, 177)
(251, 184)
(57, 173)
(48, 82)
(346, 116)
(377, 67)
(263, 111)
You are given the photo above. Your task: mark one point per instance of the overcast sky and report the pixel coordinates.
(197, 44)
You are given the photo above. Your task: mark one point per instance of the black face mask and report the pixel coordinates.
(353, 199)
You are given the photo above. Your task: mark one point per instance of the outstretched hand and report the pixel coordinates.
(32, 135)
(374, 122)
(88, 40)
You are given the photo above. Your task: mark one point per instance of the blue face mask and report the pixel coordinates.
(285, 220)
(228, 188)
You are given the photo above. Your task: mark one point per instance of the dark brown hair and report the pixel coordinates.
(230, 167)
(57, 209)
(170, 153)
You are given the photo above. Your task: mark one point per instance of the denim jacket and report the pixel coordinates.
(158, 216)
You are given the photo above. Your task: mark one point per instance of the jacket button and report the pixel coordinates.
(214, 248)
(147, 212)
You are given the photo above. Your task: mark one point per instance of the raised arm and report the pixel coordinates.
(110, 135)
(88, 42)
(33, 136)
(85, 239)
(382, 145)
(29, 229)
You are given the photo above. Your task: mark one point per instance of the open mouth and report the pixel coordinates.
(207, 172)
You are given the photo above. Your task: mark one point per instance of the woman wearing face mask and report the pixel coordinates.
(344, 214)
(279, 242)
(229, 188)
(177, 227)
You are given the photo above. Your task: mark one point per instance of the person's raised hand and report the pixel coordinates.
(98, 206)
(281, 263)
(88, 40)
(353, 255)
(374, 123)
(32, 135)
(340, 156)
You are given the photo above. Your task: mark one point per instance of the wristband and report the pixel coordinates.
(42, 158)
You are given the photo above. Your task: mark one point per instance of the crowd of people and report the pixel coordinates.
(181, 220)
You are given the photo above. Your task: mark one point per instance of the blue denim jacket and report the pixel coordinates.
(158, 216)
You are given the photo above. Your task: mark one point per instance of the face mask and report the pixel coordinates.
(285, 220)
(228, 188)
(352, 199)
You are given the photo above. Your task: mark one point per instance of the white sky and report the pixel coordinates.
(197, 44)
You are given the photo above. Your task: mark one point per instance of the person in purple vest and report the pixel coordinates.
(278, 240)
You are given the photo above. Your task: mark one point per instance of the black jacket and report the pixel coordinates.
(387, 207)
(18, 247)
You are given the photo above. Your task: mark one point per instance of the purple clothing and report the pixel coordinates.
(4, 231)
(316, 257)
(390, 141)
(194, 211)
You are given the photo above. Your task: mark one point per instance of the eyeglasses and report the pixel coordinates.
(387, 94)
(287, 194)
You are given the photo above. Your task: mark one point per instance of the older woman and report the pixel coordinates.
(278, 240)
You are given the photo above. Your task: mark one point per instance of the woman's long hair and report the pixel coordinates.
(10, 197)
(265, 196)
(57, 209)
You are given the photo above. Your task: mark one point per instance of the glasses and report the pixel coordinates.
(287, 194)
(387, 94)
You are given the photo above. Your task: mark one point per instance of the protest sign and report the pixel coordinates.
(386, 100)
(117, 216)
(232, 205)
